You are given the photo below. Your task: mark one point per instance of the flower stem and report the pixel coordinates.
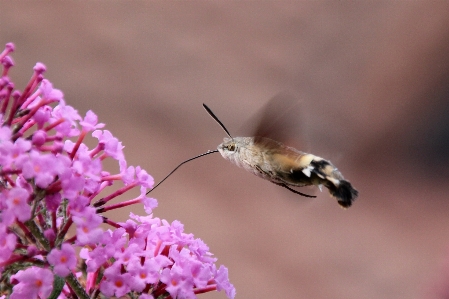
(32, 226)
(76, 286)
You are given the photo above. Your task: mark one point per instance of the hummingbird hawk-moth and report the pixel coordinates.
(282, 165)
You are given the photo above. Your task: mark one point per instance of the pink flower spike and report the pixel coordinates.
(32, 282)
(115, 283)
(149, 203)
(9, 47)
(41, 167)
(50, 235)
(144, 178)
(39, 68)
(42, 115)
(91, 281)
(36, 83)
(11, 154)
(77, 144)
(5, 134)
(25, 127)
(118, 205)
(143, 274)
(17, 203)
(90, 122)
(87, 226)
(113, 148)
(63, 261)
(70, 117)
(206, 289)
(4, 81)
(7, 62)
(128, 254)
(221, 278)
(200, 273)
(53, 187)
(113, 195)
(7, 244)
(32, 98)
(16, 96)
(5, 95)
(22, 121)
(39, 138)
(177, 286)
(128, 175)
(49, 93)
(52, 201)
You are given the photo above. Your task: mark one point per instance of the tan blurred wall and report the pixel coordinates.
(372, 79)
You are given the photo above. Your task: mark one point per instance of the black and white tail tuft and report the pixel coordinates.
(333, 180)
(343, 192)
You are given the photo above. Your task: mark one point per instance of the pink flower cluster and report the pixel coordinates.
(50, 181)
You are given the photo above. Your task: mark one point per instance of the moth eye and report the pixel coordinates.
(231, 147)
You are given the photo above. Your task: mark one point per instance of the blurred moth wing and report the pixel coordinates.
(280, 164)
(283, 165)
(280, 119)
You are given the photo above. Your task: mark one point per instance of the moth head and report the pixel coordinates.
(228, 147)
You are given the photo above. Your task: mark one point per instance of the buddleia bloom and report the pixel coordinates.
(52, 244)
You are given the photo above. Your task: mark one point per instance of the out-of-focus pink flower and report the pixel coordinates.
(90, 122)
(17, 203)
(31, 283)
(63, 260)
(7, 244)
(53, 191)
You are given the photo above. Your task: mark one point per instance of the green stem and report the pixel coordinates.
(58, 285)
(76, 286)
(34, 229)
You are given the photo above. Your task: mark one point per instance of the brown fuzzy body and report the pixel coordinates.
(287, 166)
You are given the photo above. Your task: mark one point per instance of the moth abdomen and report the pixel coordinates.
(343, 192)
(333, 180)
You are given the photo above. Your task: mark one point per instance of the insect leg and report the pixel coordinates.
(294, 191)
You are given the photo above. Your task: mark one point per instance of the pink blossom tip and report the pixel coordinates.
(10, 47)
(40, 68)
(7, 61)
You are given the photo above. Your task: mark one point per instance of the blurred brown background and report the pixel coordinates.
(373, 84)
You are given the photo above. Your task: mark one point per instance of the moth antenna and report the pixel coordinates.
(188, 160)
(217, 120)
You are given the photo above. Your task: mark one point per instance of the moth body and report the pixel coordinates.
(280, 164)
(287, 166)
